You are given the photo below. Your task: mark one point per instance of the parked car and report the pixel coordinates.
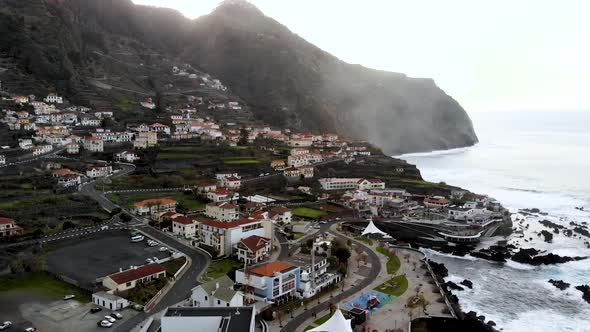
(5, 325)
(110, 319)
(105, 323)
(323, 222)
(69, 296)
(138, 307)
(162, 249)
(30, 329)
(149, 261)
(95, 310)
(155, 259)
(117, 315)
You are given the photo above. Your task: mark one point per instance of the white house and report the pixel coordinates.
(97, 171)
(223, 211)
(88, 120)
(253, 249)
(53, 98)
(129, 279)
(217, 293)
(93, 144)
(2, 160)
(231, 182)
(153, 206)
(280, 214)
(219, 195)
(185, 226)
(72, 148)
(126, 156)
(109, 301)
(221, 237)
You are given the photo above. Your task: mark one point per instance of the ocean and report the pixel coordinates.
(524, 160)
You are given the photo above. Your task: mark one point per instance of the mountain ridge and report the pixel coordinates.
(287, 81)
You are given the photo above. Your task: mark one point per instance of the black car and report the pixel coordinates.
(95, 310)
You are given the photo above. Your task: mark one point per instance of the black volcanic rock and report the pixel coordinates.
(285, 80)
(585, 289)
(453, 286)
(467, 283)
(530, 256)
(559, 284)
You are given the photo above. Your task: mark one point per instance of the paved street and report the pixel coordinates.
(304, 315)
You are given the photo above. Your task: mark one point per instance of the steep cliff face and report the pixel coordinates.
(287, 81)
(292, 82)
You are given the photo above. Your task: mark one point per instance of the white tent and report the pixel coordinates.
(372, 229)
(336, 323)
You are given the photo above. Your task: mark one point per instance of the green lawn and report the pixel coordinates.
(176, 155)
(297, 236)
(395, 286)
(222, 267)
(33, 201)
(243, 161)
(309, 327)
(46, 283)
(307, 212)
(393, 263)
(364, 239)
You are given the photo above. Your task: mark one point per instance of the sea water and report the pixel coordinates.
(524, 160)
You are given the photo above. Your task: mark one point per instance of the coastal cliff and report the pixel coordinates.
(286, 81)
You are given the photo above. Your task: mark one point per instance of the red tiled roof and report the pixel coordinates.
(221, 191)
(255, 242)
(226, 225)
(434, 200)
(232, 178)
(269, 269)
(92, 138)
(223, 205)
(155, 201)
(137, 273)
(6, 221)
(184, 220)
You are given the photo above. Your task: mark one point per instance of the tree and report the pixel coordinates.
(343, 254)
(68, 225)
(333, 261)
(125, 217)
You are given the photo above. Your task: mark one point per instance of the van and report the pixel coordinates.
(137, 238)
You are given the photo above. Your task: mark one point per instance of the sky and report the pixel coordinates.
(524, 55)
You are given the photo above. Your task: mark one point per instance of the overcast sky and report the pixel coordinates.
(489, 55)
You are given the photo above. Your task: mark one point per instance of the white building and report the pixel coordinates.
(185, 226)
(280, 214)
(209, 319)
(98, 171)
(72, 148)
(221, 237)
(339, 183)
(93, 144)
(223, 211)
(53, 98)
(129, 279)
(2, 160)
(217, 293)
(126, 156)
(109, 301)
(253, 249)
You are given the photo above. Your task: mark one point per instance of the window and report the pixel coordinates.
(218, 301)
(205, 297)
(227, 304)
(128, 284)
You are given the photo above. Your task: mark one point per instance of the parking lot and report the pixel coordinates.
(85, 261)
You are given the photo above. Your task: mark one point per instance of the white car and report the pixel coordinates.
(155, 259)
(116, 315)
(30, 329)
(162, 249)
(5, 325)
(105, 323)
(149, 261)
(69, 297)
(110, 319)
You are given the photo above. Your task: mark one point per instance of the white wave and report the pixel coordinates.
(518, 266)
(547, 320)
(430, 253)
(434, 153)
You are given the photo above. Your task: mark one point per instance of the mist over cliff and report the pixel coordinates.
(287, 81)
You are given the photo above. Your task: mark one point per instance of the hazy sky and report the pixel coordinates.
(489, 55)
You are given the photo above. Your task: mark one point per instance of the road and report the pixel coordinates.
(27, 158)
(181, 289)
(294, 323)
